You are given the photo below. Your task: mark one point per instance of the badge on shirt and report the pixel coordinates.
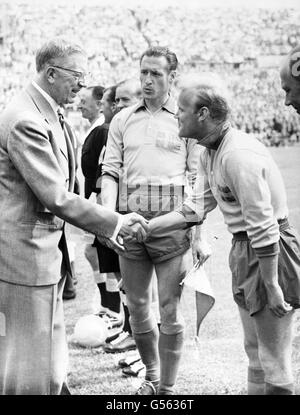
(168, 141)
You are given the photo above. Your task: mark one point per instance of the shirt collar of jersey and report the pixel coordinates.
(213, 140)
(169, 105)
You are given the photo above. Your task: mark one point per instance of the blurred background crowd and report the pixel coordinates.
(244, 46)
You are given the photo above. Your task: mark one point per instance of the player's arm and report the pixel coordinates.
(111, 166)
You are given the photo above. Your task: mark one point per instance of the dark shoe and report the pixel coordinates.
(75, 279)
(129, 360)
(69, 291)
(65, 389)
(146, 388)
(123, 343)
(69, 294)
(134, 369)
(113, 334)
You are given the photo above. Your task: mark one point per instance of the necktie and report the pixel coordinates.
(69, 136)
(69, 144)
(61, 118)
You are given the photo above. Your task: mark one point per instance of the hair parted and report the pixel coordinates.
(54, 49)
(158, 51)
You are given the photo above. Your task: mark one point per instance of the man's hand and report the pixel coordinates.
(134, 227)
(201, 251)
(110, 243)
(276, 302)
(269, 272)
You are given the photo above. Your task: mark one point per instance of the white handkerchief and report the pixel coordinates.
(197, 279)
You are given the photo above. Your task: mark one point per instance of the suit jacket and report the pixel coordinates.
(91, 149)
(37, 174)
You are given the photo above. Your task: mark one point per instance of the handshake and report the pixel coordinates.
(134, 227)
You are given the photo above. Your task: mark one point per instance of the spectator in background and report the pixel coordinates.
(91, 109)
(176, 24)
(128, 93)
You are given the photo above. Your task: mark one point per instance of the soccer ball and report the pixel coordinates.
(90, 331)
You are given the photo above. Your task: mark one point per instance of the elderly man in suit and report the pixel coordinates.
(37, 176)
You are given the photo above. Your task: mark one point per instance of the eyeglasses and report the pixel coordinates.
(78, 76)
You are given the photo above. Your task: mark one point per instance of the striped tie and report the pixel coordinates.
(66, 129)
(72, 149)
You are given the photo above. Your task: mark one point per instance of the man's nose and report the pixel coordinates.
(81, 84)
(287, 101)
(148, 79)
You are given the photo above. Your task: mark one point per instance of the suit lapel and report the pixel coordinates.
(45, 108)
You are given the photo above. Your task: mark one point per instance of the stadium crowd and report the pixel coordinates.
(230, 42)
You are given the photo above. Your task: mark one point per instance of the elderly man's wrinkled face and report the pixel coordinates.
(187, 117)
(291, 87)
(125, 96)
(68, 78)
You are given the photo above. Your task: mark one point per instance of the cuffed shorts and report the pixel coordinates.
(150, 202)
(248, 288)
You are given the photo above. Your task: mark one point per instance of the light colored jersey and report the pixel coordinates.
(145, 149)
(243, 179)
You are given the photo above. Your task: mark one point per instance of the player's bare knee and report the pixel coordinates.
(172, 321)
(140, 325)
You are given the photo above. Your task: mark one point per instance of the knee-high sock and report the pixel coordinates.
(170, 348)
(102, 289)
(147, 344)
(256, 381)
(113, 293)
(113, 301)
(126, 326)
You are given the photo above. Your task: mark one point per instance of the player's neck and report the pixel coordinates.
(156, 104)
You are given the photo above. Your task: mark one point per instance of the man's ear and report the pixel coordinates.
(99, 103)
(172, 76)
(203, 113)
(50, 74)
(295, 65)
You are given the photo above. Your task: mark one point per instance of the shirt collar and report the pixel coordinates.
(99, 121)
(51, 101)
(169, 105)
(213, 140)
